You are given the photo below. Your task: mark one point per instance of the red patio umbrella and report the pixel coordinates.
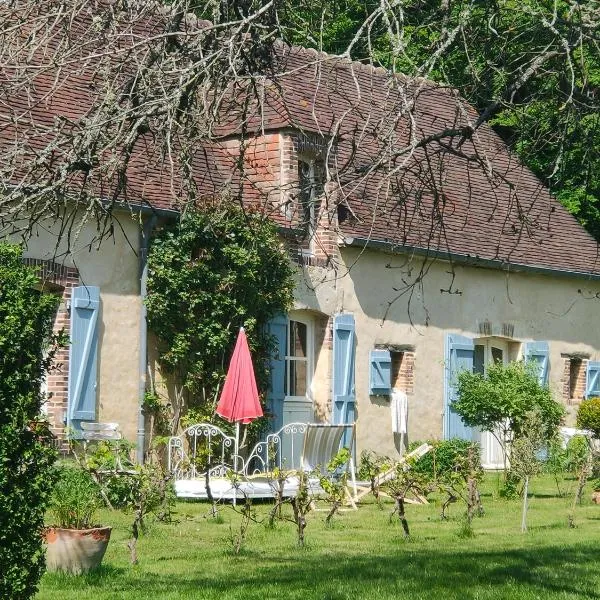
(239, 401)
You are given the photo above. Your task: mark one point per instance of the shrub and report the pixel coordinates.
(444, 458)
(26, 456)
(75, 498)
(215, 270)
(588, 416)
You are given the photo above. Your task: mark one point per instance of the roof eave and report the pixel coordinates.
(468, 260)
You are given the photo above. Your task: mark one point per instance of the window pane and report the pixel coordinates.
(297, 339)
(479, 359)
(298, 374)
(497, 355)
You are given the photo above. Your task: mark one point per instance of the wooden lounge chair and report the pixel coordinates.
(365, 487)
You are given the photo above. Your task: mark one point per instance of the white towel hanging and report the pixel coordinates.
(399, 409)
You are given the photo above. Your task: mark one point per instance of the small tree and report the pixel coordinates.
(372, 466)
(334, 483)
(525, 452)
(500, 401)
(26, 457)
(454, 467)
(405, 480)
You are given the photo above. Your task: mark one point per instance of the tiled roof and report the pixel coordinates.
(461, 195)
(464, 196)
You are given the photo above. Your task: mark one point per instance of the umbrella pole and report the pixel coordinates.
(236, 458)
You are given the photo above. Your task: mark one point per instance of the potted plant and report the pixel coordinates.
(75, 543)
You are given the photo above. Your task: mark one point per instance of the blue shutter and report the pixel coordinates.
(83, 357)
(592, 379)
(459, 353)
(538, 353)
(380, 372)
(277, 327)
(344, 400)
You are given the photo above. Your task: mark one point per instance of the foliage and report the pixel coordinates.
(441, 461)
(334, 482)
(217, 269)
(502, 398)
(75, 498)
(588, 416)
(454, 468)
(141, 490)
(26, 456)
(404, 481)
(372, 466)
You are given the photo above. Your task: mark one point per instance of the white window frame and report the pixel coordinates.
(300, 317)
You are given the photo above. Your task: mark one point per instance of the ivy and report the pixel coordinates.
(213, 271)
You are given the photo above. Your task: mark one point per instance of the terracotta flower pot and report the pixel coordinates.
(75, 550)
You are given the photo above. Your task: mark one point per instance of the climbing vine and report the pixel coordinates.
(213, 271)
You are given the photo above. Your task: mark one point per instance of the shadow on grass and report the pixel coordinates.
(415, 573)
(98, 577)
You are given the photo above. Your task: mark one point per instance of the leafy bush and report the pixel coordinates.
(219, 268)
(26, 456)
(588, 416)
(75, 498)
(444, 458)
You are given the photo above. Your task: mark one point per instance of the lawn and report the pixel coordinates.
(361, 556)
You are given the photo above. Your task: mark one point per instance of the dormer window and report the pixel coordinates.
(311, 181)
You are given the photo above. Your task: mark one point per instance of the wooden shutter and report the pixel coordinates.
(592, 379)
(538, 353)
(344, 399)
(458, 357)
(83, 357)
(277, 327)
(380, 372)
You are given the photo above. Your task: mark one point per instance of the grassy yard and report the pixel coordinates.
(362, 556)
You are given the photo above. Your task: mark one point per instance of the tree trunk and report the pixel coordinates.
(402, 515)
(334, 508)
(299, 519)
(524, 514)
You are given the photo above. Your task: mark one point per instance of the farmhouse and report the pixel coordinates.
(422, 247)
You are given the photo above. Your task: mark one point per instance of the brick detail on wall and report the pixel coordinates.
(270, 183)
(403, 369)
(573, 379)
(58, 279)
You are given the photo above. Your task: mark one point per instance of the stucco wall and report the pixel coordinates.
(447, 299)
(113, 267)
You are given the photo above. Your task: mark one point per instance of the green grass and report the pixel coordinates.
(362, 556)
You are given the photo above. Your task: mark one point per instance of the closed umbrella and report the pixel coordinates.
(239, 401)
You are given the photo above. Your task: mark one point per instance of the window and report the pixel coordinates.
(311, 179)
(297, 359)
(574, 379)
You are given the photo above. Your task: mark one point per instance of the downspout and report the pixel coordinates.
(141, 426)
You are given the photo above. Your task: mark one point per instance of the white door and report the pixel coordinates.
(488, 351)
